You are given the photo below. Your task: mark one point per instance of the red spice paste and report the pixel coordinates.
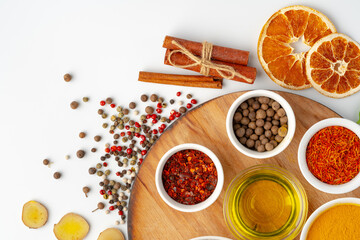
(189, 177)
(333, 155)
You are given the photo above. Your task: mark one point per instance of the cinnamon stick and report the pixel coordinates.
(224, 54)
(180, 59)
(181, 80)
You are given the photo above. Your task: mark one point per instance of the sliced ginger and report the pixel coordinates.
(111, 234)
(71, 227)
(34, 214)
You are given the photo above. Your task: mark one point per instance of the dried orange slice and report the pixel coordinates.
(286, 26)
(333, 66)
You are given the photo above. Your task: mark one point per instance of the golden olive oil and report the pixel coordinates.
(264, 205)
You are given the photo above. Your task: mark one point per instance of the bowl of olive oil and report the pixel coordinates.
(265, 202)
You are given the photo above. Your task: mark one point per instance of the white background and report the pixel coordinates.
(104, 44)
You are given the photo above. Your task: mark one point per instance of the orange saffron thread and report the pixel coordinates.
(333, 155)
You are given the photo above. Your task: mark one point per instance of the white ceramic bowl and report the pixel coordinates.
(182, 207)
(321, 209)
(316, 183)
(291, 124)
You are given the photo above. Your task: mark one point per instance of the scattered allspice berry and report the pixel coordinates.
(149, 110)
(154, 97)
(97, 138)
(100, 206)
(82, 135)
(92, 170)
(188, 96)
(85, 99)
(109, 100)
(144, 98)
(67, 77)
(80, 153)
(57, 175)
(46, 162)
(132, 105)
(182, 109)
(93, 150)
(86, 190)
(74, 104)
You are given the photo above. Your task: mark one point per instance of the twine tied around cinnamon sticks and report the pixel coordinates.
(205, 62)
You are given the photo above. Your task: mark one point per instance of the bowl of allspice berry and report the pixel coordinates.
(260, 124)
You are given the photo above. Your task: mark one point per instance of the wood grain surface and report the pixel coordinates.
(151, 218)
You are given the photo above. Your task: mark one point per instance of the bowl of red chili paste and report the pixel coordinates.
(189, 177)
(329, 155)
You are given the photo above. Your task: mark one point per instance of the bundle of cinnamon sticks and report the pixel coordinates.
(214, 62)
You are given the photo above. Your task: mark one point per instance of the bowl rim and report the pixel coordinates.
(291, 124)
(210, 238)
(322, 209)
(182, 207)
(291, 178)
(310, 178)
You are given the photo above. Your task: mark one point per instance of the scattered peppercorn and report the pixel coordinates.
(74, 104)
(132, 105)
(182, 109)
(100, 206)
(109, 100)
(85, 99)
(92, 170)
(144, 98)
(82, 135)
(129, 156)
(125, 111)
(67, 77)
(46, 162)
(80, 153)
(57, 175)
(86, 190)
(154, 97)
(149, 110)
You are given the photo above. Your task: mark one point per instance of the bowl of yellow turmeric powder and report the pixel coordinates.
(335, 220)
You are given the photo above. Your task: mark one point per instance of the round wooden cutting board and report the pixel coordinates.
(151, 218)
